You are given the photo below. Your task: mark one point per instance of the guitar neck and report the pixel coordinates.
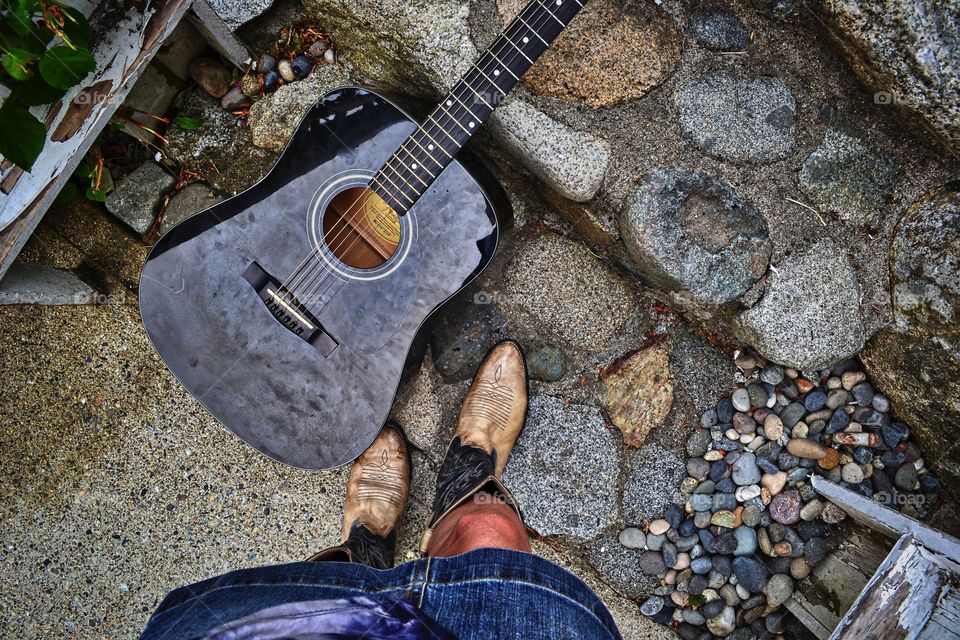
(423, 156)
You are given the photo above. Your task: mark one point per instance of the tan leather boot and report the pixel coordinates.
(377, 492)
(490, 420)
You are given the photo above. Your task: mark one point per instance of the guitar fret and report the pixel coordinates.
(470, 102)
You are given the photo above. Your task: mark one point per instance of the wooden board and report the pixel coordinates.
(913, 595)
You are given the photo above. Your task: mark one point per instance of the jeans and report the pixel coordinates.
(484, 594)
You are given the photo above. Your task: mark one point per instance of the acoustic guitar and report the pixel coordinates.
(288, 310)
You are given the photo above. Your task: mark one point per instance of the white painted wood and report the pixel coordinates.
(216, 31)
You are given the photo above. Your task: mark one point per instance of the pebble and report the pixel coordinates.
(804, 385)
(698, 443)
(270, 81)
(683, 561)
(745, 471)
(659, 527)
(713, 608)
(852, 473)
(330, 56)
(725, 411)
(724, 519)
(811, 510)
(702, 565)
(807, 449)
(234, 99)
(779, 589)
(850, 379)
(751, 515)
(799, 568)
(829, 461)
(632, 538)
(286, 70)
(724, 624)
(815, 400)
(708, 419)
(742, 423)
(746, 541)
(771, 374)
(655, 543)
(729, 594)
(723, 544)
(773, 427)
(881, 402)
(785, 507)
(301, 66)
(758, 395)
(774, 482)
(792, 414)
(749, 492)
(698, 468)
(750, 573)
(652, 606)
(741, 400)
(266, 63)
(832, 514)
(893, 434)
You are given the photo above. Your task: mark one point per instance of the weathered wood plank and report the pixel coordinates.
(912, 595)
(75, 122)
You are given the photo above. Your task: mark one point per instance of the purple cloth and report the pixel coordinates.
(341, 619)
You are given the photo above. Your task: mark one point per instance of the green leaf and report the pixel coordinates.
(84, 169)
(67, 194)
(76, 28)
(22, 136)
(187, 123)
(63, 67)
(36, 91)
(17, 62)
(96, 196)
(21, 20)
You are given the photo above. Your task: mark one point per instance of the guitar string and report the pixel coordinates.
(325, 273)
(286, 286)
(313, 283)
(299, 282)
(316, 282)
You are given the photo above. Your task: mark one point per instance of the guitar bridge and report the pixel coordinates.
(287, 310)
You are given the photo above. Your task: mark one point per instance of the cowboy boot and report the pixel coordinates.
(377, 493)
(491, 418)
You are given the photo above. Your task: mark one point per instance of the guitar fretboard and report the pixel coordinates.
(416, 164)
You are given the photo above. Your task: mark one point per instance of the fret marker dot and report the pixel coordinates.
(496, 72)
(470, 125)
(526, 39)
(414, 167)
(430, 147)
(449, 103)
(559, 2)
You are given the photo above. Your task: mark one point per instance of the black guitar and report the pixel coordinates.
(288, 310)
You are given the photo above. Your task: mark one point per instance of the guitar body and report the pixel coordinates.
(310, 383)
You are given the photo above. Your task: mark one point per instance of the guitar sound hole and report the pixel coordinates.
(360, 228)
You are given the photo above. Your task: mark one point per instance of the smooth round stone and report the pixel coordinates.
(301, 66)
(863, 394)
(807, 449)
(773, 427)
(787, 461)
(832, 514)
(812, 510)
(266, 63)
(683, 561)
(804, 385)
(774, 482)
(713, 608)
(881, 402)
(732, 434)
(687, 543)
(728, 593)
(698, 443)
(779, 589)
(632, 538)
(863, 455)
(766, 465)
(659, 527)
(852, 473)
(724, 519)
(839, 420)
(680, 598)
(701, 565)
(674, 515)
(717, 579)
(329, 56)
(746, 541)
(698, 468)
(670, 555)
(655, 543)
(799, 568)
(687, 485)
(745, 470)
(836, 399)
(815, 400)
(725, 411)
(741, 399)
(751, 515)
(893, 434)
(742, 423)
(707, 486)
(688, 527)
(652, 564)
(708, 419)
(758, 395)
(724, 544)
(792, 414)
(270, 80)
(286, 70)
(750, 573)
(771, 374)
(702, 519)
(754, 442)
(652, 606)
(788, 388)
(785, 506)
(724, 502)
(718, 470)
(747, 493)
(723, 624)
(726, 486)
(691, 616)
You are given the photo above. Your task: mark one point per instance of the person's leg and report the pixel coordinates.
(377, 493)
(472, 509)
(482, 522)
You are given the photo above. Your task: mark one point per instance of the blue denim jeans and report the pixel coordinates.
(484, 594)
